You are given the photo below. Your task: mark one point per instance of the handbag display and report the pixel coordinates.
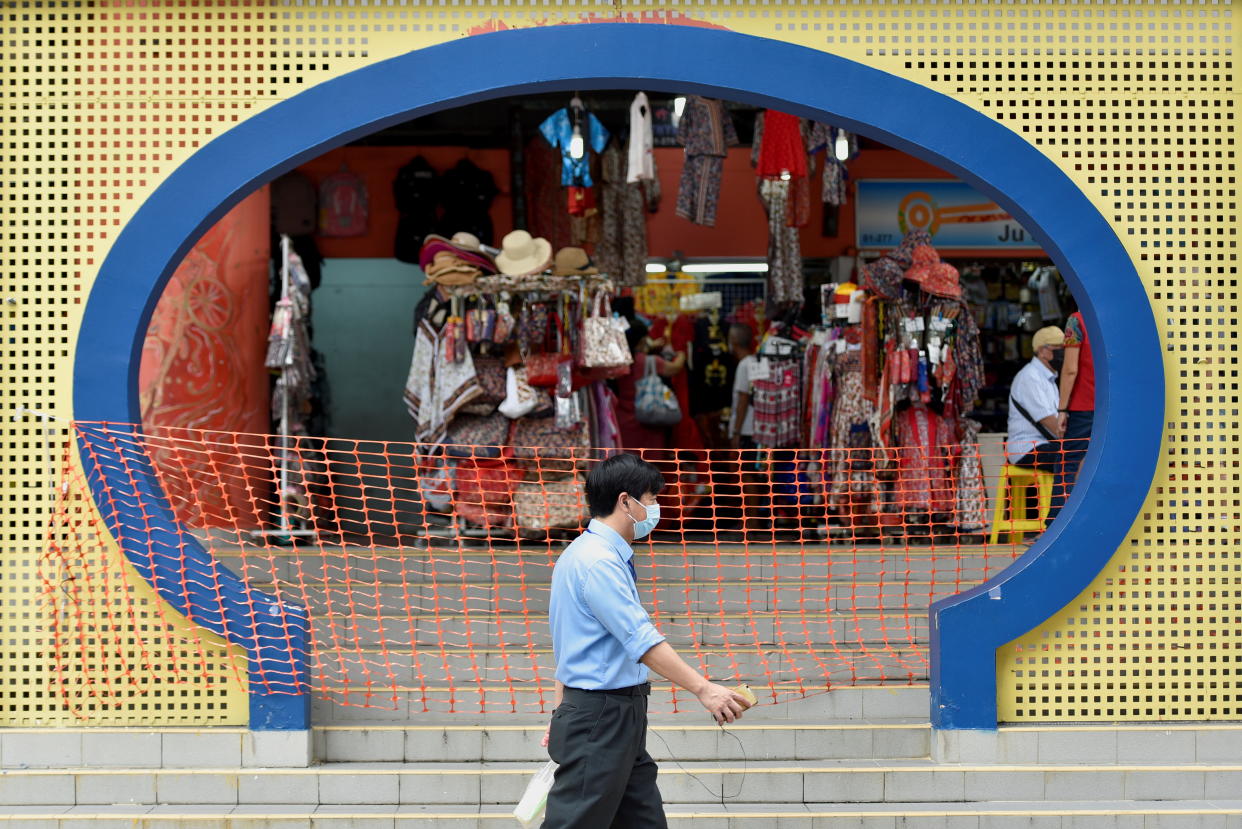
(477, 436)
(544, 504)
(603, 342)
(654, 402)
(490, 374)
(540, 438)
(483, 491)
(543, 370)
(520, 397)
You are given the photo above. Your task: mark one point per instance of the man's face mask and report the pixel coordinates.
(643, 528)
(1058, 359)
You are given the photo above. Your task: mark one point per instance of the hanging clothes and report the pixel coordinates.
(777, 403)
(823, 139)
(784, 245)
(927, 445)
(416, 194)
(558, 130)
(641, 156)
(622, 248)
(706, 131)
(437, 388)
(972, 498)
(782, 149)
(466, 194)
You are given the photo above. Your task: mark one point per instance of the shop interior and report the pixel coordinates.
(389, 292)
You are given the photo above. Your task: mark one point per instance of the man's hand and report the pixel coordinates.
(724, 705)
(1062, 422)
(547, 735)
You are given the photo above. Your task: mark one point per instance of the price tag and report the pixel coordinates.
(761, 370)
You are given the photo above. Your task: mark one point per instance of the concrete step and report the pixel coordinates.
(685, 782)
(1066, 814)
(783, 702)
(680, 738)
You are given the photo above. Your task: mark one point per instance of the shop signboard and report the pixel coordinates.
(956, 215)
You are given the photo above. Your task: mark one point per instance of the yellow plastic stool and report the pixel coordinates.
(1020, 478)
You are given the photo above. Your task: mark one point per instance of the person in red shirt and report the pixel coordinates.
(1077, 406)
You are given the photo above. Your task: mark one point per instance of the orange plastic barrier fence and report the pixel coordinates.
(425, 570)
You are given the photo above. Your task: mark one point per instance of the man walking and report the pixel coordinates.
(604, 643)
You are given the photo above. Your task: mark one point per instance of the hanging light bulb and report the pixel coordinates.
(679, 106)
(842, 149)
(576, 147)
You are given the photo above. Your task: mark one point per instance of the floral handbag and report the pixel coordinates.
(543, 503)
(603, 342)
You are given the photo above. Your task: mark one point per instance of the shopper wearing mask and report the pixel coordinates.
(604, 644)
(1034, 423)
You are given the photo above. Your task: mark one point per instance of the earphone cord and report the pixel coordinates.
(707, 788)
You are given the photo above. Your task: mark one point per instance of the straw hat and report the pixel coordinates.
(448, 268)
(573, 262)
(522, 255)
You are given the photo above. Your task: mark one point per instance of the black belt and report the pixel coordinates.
(643, 690)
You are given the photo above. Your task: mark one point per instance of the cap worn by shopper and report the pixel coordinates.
(522, 254)
(1049, 335)
(573, 262)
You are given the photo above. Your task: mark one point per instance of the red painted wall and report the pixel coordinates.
(202, 367)
(741, 228)
(378, 167)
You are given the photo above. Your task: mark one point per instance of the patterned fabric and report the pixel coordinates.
(777, 402)
(968, 356)
(622, 248)
(823, 139)
(924, 479)
(436, 388)
(706, 131)
(972, 499)
(784, 247)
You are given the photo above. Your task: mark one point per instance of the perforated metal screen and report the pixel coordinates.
(1136, 101)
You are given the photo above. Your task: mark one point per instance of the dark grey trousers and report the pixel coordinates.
(606, 778)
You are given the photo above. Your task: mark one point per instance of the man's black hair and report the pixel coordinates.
(620, 473)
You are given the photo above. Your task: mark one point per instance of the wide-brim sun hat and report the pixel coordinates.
(573, 262)
(522, 254)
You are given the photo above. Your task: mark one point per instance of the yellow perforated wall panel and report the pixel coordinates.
(1137, 101)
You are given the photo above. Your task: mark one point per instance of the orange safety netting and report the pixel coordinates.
(425, 570)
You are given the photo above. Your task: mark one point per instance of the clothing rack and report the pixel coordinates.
(284, 358)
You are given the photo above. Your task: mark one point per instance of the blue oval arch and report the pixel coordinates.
(966, 629)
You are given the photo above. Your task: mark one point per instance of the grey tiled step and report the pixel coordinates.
(1124, 814)
(685, 740)
(516, 630)
(496, 703)
(817, 666)
(414, 568)
(793, 595)
(467, 784)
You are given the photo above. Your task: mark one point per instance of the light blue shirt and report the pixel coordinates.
(599, 627)
(1035, 387)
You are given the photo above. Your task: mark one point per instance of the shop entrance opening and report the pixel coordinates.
(966, 629)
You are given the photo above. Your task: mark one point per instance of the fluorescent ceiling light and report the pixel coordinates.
(726, 267)
(656, 267)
